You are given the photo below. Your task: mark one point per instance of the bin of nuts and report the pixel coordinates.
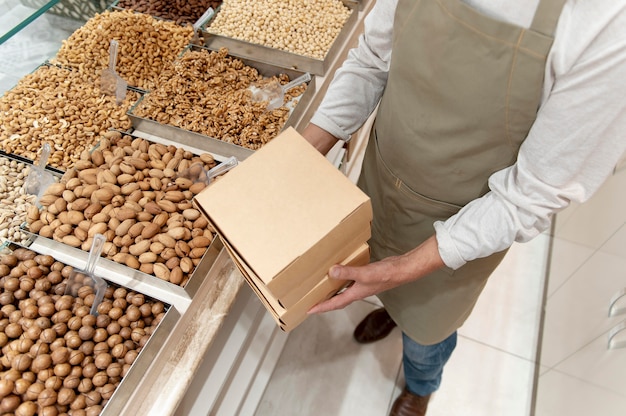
(146, 46)
(180, 12)
(56, 357)
(14, 201)
(208, 92)
(137, 194)
(294, 34)
(60, 107)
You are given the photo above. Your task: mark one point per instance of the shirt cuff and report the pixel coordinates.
(447, 250)
(327, 124)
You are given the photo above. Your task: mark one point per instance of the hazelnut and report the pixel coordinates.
(47, 397)
(65, 396)
(54, 383)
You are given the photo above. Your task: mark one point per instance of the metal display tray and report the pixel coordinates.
(285, 59)
(149, 351)
(214, 145)
(128, 277)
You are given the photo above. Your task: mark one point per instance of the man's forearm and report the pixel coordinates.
(319, 138)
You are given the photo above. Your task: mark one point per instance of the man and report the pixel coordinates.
(493, 116)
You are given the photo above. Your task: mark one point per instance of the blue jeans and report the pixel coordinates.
(423, 364)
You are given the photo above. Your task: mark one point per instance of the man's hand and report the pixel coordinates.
(386, 274)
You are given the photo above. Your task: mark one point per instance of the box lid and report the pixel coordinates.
(279, 202)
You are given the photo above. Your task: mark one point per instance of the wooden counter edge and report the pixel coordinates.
(172, 371)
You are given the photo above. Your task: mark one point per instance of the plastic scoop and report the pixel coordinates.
(38, 179)
(199, 23)
(274, 93)
(197, 173)
(110, 82)
(80, 278)
(222, 168)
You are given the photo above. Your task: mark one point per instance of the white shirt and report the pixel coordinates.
(573, 146)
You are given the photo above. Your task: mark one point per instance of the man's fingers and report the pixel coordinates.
(339, 301)
(340, 272)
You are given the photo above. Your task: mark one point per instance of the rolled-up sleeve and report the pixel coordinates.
(572, 148)
(358, 85)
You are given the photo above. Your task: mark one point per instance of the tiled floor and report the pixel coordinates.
(322, 371)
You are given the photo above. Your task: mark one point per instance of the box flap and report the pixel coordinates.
(279, 202)
(306, 274)
(327, 288)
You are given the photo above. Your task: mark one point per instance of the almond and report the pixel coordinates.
(129, 188)
(81, 234)
(125, 178)
(197, 187)
(138, 163)
(201, 223)
(150, 230)
(136, 229)
(122, 229)
(71, 240)
(126, 259)
(186, 265)
(182, 249)
(33, 213)
(200, 241)
(135, 196)
(161, 219)
(139, 248)
(79, 204)
(183, 183)
(106, 176)
(147, 257)
(197, 252)
(55, 189)
(161, 271)
(176, 275)
(156, 184)
(157, 247)
(144, 216)
(153, 208)
(125, 213)
(166, 240)
(127, 168)
(98, 228)
(47, 200)
(101, 217)
(156, 173)
(87, 190)
(191, 214)
(102, 195)
(177, 233)
(97, 158)
(167, 206)
(88, 176)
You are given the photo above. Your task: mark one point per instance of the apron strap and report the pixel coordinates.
(547, 16)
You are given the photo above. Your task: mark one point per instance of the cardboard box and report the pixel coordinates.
(288, 319)
(286, 215)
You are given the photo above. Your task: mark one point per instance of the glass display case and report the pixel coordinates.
(31, 31)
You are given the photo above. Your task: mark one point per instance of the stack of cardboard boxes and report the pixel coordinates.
(286, 215)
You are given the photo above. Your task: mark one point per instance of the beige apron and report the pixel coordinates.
(462, 94)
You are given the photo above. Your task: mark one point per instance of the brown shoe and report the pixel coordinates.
(409, 404)
(376, 325)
